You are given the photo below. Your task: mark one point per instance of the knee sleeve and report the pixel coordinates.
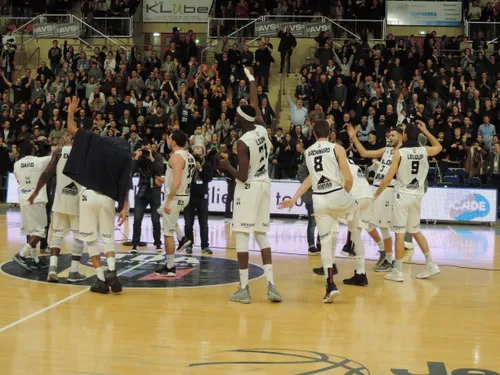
(242, 242)
(93, 248)
(386, 233)
(261, 239)
(56, 242)
(77, 248)
(109, 247)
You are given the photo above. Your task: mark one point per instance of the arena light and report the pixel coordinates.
(197, 41)
(156, 34)
(422, 32)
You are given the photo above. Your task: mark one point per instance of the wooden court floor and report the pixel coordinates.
(445, 325)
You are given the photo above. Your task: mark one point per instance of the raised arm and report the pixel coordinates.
(435, 147)
(304, 186)
(72, 108)
(363, 152)
(254, 99)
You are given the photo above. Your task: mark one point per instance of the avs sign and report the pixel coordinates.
(176, 11)
(52, 30)
(298, 29)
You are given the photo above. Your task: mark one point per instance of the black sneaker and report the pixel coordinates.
(134, 250)
(331, 293)
(36, 266)
(113, 281)
(158, 250)
(165, 271)
(22, 261)
(313, 251)
(321, 272)
(348, 250)
(358, 279)
(100, 287)
(183, 244)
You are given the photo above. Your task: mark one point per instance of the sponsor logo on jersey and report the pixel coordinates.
(324, 183)
(323, 236)
(261, 171)
(472, 207)
(70, 189)
(414, 185)
(26, 190)
(247, 225)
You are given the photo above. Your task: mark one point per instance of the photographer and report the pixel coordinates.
(148, 165)
(198, 203)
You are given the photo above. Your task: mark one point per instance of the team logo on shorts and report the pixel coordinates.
(137, 271)
(70, 189)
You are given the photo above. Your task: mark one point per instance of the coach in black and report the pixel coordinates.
(198, 203)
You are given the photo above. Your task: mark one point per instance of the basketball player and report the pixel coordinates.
(180, 170)
(331, 181)
(65, 209)
(102, 166)
(27, 171)
(382, 207)
(252, 193)
(410, 166)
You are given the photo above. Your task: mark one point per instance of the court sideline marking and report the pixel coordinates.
(50, 307)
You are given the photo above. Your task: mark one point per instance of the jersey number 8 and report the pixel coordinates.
(318, 164)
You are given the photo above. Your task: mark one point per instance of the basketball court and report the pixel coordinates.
(448, 324)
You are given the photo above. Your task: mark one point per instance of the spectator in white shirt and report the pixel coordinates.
(298, 114)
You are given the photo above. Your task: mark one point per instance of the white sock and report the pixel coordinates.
(75, 264)
(388, 257)
(170, 261)
(360, 265)
(428, 258)
(25, 251)
(53, 260)
(100, 273)
(268, 269)
(381, 245)
(399, 265)
(34, 254)
(111, 263)
(244, 278)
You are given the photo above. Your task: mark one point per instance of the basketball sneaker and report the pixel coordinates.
(189, 250)
(183, 244)
(331, 293)
(313, 251)
(75, 277)
(321, 272)
(206, 251)
(431, 269)
(100, 287)
(359, 279)
(395, 275)
(52, 276)
(272, 293)
(22, 261)
(113, 281)
(381, 258)
(45, 250)
(35, 266)
(241, 295)
(386, 266)
(134, 250)
(348, 250)
(165, 271)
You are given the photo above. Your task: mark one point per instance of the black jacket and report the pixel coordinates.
(201, 179)
(147, 171)
(287, 43)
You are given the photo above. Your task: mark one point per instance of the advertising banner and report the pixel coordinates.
(267, 28)
(424, 13)
(53, 30)
(298, 29)
(441, 204)
(175, 10)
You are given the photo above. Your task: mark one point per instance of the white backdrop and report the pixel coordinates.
(441, 204)
(176, 10)
(424, 13)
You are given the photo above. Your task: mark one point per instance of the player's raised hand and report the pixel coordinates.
(249, 73)
(288, 203)
(73, 105)
(421, 126)
(351, 130)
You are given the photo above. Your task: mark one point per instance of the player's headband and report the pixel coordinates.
(244, 115)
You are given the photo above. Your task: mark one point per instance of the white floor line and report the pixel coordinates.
(50, 307)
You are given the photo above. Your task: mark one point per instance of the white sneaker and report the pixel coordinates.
(431, 269)
(395, 275)
(409, 245)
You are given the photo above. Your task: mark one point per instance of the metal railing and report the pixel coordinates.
(490, 30)
(33, 60)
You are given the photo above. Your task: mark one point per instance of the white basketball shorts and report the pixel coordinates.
(328, 208)
(33, 219)
(406, 213)
(382, 208)
(97, 216)
(251, 211)
(62, 224)
(169, 220)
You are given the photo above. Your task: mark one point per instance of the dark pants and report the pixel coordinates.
(285, 55)
(494, 181)
(311, 226)
(230, 197)
(197, 206)
(152, 197)
(263, 76)
(55, 67)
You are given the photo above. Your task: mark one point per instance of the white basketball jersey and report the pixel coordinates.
(28, 171)
(323, 168)
(259, 147)
(66, 198)
(412, 171)
(360, 186)
(187, 174)
(385, 165)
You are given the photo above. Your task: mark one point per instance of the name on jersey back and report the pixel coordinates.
(318, 152)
